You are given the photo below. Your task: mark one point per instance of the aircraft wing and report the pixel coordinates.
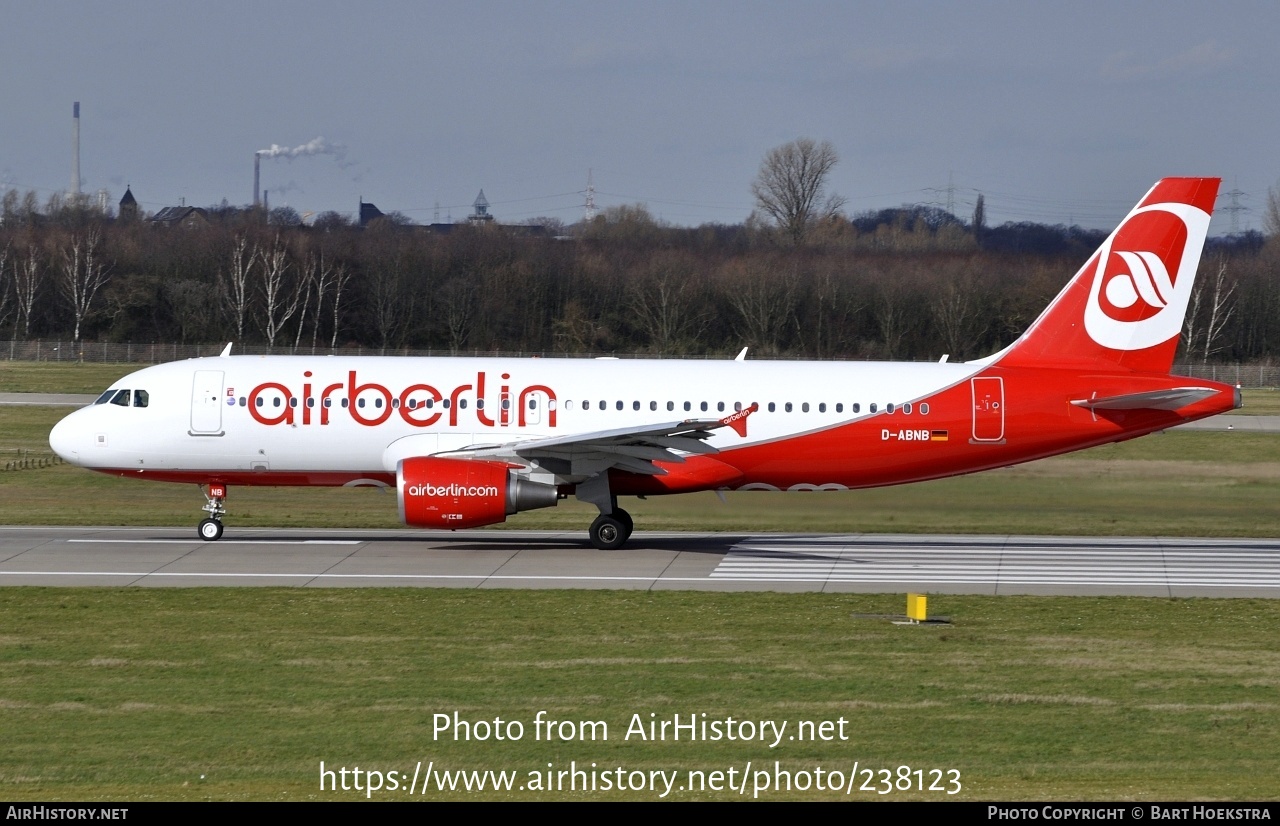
(1172, 399)
(633, 449)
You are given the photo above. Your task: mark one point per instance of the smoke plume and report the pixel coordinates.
(316, 146)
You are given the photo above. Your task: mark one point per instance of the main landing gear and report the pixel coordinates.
(613, 526)
(210, 530)
(610, 531)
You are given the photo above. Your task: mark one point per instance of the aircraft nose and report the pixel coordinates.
(66, 440)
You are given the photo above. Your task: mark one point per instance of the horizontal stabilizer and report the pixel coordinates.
(1172, 399)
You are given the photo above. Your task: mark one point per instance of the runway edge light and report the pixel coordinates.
(917, 607)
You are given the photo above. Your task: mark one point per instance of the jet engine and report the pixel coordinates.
(464, 493)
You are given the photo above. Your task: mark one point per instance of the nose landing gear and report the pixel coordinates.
(210, 530)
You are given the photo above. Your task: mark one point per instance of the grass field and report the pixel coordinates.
(240, 693)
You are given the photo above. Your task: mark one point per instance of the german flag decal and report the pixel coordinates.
(937, 435)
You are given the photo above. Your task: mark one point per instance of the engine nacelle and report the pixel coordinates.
(464, 493)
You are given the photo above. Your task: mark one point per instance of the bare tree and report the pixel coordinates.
(765, 302)
(961, 316)
(389, 302)
(791, 186)
(980, 216)
(83, 273)
(1271, 213)
(892, 304)
(28, 277)
(281, 296)
(341, 275)
(1220, 307)
(6, 304)
(307, 282)
(661, 303)
(325, 276)
(188, 301)
(235, 282)
(458, 300)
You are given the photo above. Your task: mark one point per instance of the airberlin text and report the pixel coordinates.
(420, 405)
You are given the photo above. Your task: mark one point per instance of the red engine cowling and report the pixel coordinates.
(464, 493)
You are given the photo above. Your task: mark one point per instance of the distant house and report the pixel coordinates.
(181, 216)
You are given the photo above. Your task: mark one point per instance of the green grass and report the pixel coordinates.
(52, 377)
(240, 693)
(1262, 402)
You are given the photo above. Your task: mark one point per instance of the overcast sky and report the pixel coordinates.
(1057, 112)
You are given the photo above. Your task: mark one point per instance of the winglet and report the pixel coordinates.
(742, 356)
(738, 419)
(226, 351)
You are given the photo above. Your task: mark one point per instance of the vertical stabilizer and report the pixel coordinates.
(1125, 307)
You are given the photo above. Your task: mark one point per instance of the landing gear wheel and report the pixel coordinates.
(608, 533)
(210, 530)
(628, 524)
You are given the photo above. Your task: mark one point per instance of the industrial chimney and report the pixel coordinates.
(75, 148)
(257, 169)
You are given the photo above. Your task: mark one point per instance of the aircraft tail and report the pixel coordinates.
(1125, 307)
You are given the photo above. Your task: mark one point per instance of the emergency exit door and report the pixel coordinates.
(206, 403)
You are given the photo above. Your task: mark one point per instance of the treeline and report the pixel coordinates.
(901, 284)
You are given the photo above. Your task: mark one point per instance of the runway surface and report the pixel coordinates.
(172, 557)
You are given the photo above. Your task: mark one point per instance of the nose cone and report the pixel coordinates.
(67, 440)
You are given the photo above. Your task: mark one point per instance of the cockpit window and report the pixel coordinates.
(141, 398)
(121, 398)
(105, 397)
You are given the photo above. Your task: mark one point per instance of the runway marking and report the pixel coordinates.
(220, 542)
(1161, 563)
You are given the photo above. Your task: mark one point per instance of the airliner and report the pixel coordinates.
(467, 442)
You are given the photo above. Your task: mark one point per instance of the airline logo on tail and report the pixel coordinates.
(1143, 277)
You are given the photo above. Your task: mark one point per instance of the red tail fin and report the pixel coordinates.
(1126, 306)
